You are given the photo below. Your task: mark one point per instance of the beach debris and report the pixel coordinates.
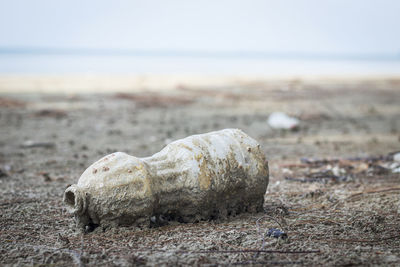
(340, 169)
(276, 233)
(280, 120)
(362, 167)
(396, 157)
(147, 100)
(376, 169)
(346, 161)
(46, 176)
(53, 113)
(321, 177)
(11, 103)
(3, 173)
(200, 177)
(323, 174)
(32, 144)
(395, 165)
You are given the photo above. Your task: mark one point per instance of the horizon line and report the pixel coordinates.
(238, 54)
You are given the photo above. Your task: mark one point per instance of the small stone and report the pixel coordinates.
(276, 233)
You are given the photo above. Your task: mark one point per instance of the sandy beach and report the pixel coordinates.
(333, 189)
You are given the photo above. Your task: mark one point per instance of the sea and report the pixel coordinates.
(48, 61)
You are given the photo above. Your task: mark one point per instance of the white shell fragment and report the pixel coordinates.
(279, 120)
(200, 177)
(396, 157)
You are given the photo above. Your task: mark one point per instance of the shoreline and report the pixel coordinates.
(111, 83)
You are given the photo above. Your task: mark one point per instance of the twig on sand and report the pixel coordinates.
(384, 190)
(364, 240)
(265, 262)
(373, 191)
(308, 161)
(229, 251)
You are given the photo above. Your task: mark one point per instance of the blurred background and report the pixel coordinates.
(260, 37)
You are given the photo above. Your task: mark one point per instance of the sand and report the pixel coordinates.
(347, 215)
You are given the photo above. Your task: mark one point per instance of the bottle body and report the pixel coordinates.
(200, 177)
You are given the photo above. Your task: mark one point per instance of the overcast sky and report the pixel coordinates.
(329, 26)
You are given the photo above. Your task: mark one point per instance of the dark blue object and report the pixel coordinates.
(274, 232)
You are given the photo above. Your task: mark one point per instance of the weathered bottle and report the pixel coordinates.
(200, 177)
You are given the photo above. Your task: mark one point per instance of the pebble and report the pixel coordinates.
(274, 232)
(31, 144)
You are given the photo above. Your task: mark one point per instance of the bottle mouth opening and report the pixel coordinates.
(69, 199)
(74, 200)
